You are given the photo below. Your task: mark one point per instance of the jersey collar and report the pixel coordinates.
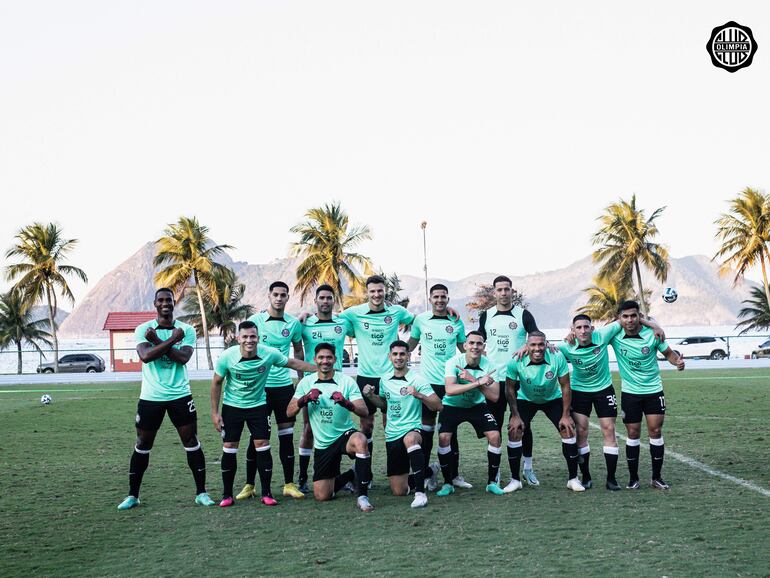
(498, 312)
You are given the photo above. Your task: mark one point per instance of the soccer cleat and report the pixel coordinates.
(431, 484)
(226, 502)
(459, 482)
(128, 503)
(588, 484)
(445, 490)
(575, 485)
(420, 500)
(364, 504)
(612, 485)
(632, 485)
(269, 501)
(531, 478)
(246, 493)
(304, 488)
(349, 488)
(659, 484)
(512, 486)
(493, 488)
(292, 491)
(204, 500)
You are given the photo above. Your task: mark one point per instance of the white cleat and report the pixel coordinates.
(431, 484)
(575, 485)
(420, 500)
(459, 482)
(364, 504)
(512, 486)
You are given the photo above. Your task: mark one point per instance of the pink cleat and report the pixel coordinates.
(226, 502)
(269, 501)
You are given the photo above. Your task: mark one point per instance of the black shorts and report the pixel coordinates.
(552, 409)
(257, 419)
(278, 399)
(326, 462)
(478, 416)
(499, 407)
(398, 457)
(604, 401)
(364, 381)
(633, 406)
(150, 414)
(429, 414)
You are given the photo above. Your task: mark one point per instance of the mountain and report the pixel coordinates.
(704, 297)
(41, 312)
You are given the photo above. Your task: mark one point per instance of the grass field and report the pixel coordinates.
(63, 471)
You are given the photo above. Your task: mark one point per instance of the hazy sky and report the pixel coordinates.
(508, 126)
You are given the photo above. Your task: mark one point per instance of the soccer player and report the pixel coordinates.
(470, 383)
(331, 396)
(243, 371)
(539, 381)
(165, 345)
(505, 328)
(323, 327)
(280, 330)
(641, 390)
(403, 394)
(439, 336)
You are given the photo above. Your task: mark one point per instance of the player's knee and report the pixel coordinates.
(230, 445)
(444, 439)
(494, 438)
(399, 490)
(655, 432)
(358, 441)
(412, 438)
(322, 495)
(261, 443)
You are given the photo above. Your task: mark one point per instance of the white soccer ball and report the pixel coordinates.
(670, 295)
(45, 399)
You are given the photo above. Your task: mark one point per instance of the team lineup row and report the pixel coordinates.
(464, 377)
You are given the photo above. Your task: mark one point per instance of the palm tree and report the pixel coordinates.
(222, 305)
(484, 298)
(625, 240)
(187, 254)
(605, 295)
(745, 232)
(756, 316)
(392, 289)
(17, 325)
(326, 243)
(41, 272)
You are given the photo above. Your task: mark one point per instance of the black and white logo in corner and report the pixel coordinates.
(731, 46)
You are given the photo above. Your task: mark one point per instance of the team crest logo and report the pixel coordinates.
(402, 391)
(449, 329)
(285, 332)
(645, 350)
(261, 369)
(549, 374)
(388, 320)
(338, 329)
(731, 46)
(597, 350)
(513, 325)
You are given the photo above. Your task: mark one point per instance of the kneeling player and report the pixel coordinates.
(542, 380)
(402, 395)
(469, 385)
(330, 398)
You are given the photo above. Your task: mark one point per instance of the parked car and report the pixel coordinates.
(761, 351)
(75, 363)
(701, 347)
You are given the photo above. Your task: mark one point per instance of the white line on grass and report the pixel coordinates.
(704, 467)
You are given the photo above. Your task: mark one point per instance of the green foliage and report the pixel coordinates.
(18, 327)
(605, 295)
(484, 298)
(756, 314)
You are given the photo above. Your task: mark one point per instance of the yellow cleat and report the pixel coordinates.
(246, 493)
(292, 491)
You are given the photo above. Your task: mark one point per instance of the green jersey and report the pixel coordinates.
(334, 331)
(245, 378)
(591, 363)
(474, 396)
(538, 382)
(638, 361)
(404, 411)
(374, 332)
(505, 332)
(328, 420)
(165, 379)
(280, 333)
(438, 337)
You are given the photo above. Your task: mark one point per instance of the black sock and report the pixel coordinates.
(632, 458)
(417, 464)
(445, 459)
(136, 468)
(514, 459)
(583, 463)
(229, 467)
(427, 445)
(526, 443)
(656, 453)
(611, 459)
(362, 467)
(570, 451)
(265, 467)
(251, 463)
(197, 463)
(455, 457)
(343, 479)
(493, 463)
(370, 445)
(304, 464)
(286, 453)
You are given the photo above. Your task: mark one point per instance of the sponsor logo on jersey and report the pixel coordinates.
(549, 374)
(513, 325)
(285, 332)
(645, 350)
(338, 329)
(388, 320)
